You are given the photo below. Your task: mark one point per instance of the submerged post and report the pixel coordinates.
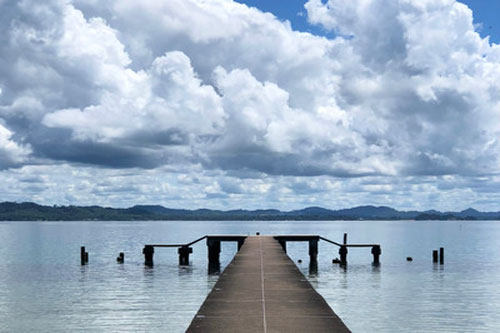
(343, 255)
(82, 255)
(121, 258)
(213, 251)
(376, 251)
(148, 252)
(313, 250)
(184, 255)
(441, 255)
(435, 256)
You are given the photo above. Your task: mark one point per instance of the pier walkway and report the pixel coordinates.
(262, 290)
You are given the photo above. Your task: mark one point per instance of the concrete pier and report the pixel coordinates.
(263, 291)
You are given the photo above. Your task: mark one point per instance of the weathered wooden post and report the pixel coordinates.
(313, 250)
(343, 251)
(435, 256)
(121, 258)
(148, 252)
(82, 255)
(86, 257)
(343, 255)
(441, 255)
(313, 267)
(184, 255)
(283, 244)
(376, 251)
(213, 251)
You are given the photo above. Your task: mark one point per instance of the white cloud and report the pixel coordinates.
(11, 152)
(408, 88)
(161, 106)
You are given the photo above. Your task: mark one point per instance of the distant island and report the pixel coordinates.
(28, 211)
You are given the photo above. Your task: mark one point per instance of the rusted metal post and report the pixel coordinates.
(148, 252)
(376, 251)
(184, 255)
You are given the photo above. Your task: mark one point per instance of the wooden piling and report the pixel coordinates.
(313, 250)
(441, 255)
(82, 255)
(435, 256)
(343, 255)
(121, 258)
(376, 251)
(213, 251)
(345, 238)
(148, 252)
(184, 255)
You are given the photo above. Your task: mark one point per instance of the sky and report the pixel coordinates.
(485, 14)
(251, 104)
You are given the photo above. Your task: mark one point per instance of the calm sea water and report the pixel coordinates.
(43, 288)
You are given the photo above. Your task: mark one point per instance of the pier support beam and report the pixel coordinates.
(148, 252)
(313, 250)
(343, 255)
(376, 251)
(184, 255)
(213, 251)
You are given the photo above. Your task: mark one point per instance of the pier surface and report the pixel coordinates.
(263, 291)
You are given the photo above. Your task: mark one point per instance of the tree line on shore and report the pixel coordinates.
(29, 211)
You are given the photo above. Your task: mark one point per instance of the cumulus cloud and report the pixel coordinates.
(162, 113)
(11, 153)
(407, 88)
(436, 80)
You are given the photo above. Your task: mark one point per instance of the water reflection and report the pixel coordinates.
(213, 269)
(376, 267)
(185, 270)
(148, 271)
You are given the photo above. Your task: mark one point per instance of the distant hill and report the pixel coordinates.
(29, 211)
